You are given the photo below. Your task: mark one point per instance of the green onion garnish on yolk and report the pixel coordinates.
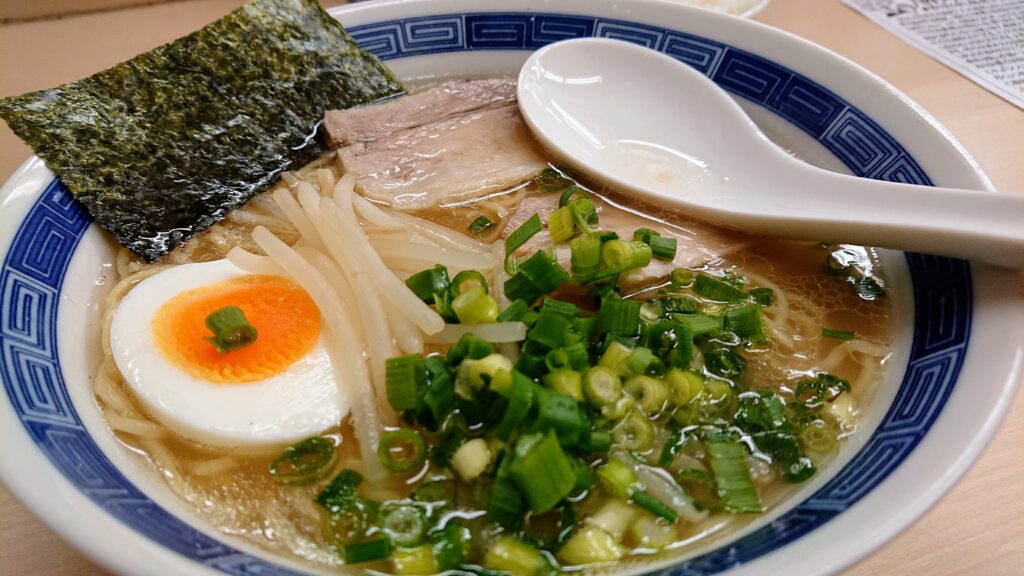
(231, 331)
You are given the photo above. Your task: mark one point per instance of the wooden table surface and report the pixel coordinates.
(978, 528)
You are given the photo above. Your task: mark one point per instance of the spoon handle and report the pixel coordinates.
(969, 224)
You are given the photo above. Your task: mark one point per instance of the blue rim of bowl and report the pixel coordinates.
(33, 273)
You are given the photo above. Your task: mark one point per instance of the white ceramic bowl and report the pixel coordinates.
(956, 362)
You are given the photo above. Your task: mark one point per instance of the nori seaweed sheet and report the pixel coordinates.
(162, 146)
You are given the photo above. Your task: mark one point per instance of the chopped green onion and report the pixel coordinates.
(818, 439)
(732, 476)
(561, 226)
(480, 225)
(436, 492)
(700, 324)
(418, 561)
(824, 387)
(763, 296)
(438, 400)
(566, 309)
(515, 311)
(649, 531)
(747, 322)
(591, 545)
(684, 385)
(231, 331)
(586, 478)
(650, 393)
(402, 450)
(579, 358)
(640, 360)
(404, 377)
(601, 386)
(571, 193)
(552, 180)
(451, 544)
(565, 381)
(596, 441)
(584, 214)
(520, 400)
(634, 432)
(585, 254)
(469, 346)
(519, 287)
(405, 524)
(367, 551)
(662, 248)
(442, 452)
(505, 505)
(718, 290)
(429, 282)
(341, 491)
(655, 506)
(784, 451)
(614, 516)
(681, 277)
(467, 279)
(619, 316)
(475, 306)
(542, 470)
(838, 334)
(348, 524)
(304, 462)
(514, 557)
(483, 371)
(560, 413)
(550, 330)
(615, 356)
(520, 236)
(471, 459)
(618, 478)
(544, 271)
(725, 362)
(620, 255)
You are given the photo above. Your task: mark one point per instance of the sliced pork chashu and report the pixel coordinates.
(474, 144)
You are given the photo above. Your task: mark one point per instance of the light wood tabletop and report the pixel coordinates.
(978, 528)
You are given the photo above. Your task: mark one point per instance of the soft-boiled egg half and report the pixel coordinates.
(277, 390)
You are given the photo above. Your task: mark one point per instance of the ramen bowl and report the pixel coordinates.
(953, 370)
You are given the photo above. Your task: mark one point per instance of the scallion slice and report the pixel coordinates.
(475, 306)
(544, 271)
(732, 477)
(655, 506)
(520, 400)
(585, 254)
(428, 282)
(561, 225)
(619, 316)
(838, 334)
(571, 193)
(480, 225)
(747, 322)
(515, 311)
(405, 524)
(542, 470)
(520, 236)
(367, 551)
(304, 462)
(718, 290)
(231, 331)
(402, 450)
(404, 377)
(663, 248)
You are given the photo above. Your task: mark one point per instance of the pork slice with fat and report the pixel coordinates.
(453, 160)
(345, 127)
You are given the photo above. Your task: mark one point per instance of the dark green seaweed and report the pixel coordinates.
(162, 146)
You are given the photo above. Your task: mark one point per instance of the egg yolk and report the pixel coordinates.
(285, 317)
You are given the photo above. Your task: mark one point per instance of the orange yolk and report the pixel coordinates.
(285, 317)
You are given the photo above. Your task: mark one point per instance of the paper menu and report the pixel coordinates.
(981, 39)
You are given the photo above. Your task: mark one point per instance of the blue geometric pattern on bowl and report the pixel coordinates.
(34, 270)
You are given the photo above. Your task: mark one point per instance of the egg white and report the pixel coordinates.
(299, 402)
